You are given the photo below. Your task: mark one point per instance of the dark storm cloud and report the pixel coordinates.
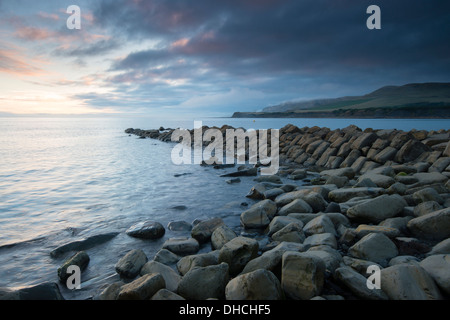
(286, 36)
(296, 47)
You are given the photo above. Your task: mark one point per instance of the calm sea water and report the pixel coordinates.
(65, 179)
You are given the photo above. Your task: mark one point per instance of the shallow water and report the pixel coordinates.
(63, 180)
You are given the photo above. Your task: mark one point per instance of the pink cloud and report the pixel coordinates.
(30, 33)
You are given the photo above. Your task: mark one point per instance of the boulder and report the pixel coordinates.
(375, 247)
(259, 215)
(410, 151)
(257, 192)
(142, 288)
(427, 178)
(220, 236)
(171, 278)
(166, 295)
(197, 260)
(357, 284)
(290, 233)
(110, 292)
(182, 246)
(296, 206)
(279, 222)
(408, 282)
(442, 247)
(364, 140)
(302, 275)
(80, 259)
(271, 260)
(203, 283)
(130, 264)
(385, 155)
(146, 230)
(427, 194)
(338, 181)
(378, 209)
(347, 172)
(330, 256)
(166, 257)
(426, 207)
(410, 246)
(364, 229)
(202, 231)
(320, 224)
(433, 226)
(321, 239)
(345, 194)
(380, 180)
(438, 266)
(238, 252)
(260, 284)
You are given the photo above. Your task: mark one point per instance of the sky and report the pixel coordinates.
(211, 57)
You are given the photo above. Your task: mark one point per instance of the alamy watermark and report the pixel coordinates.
(241, 147)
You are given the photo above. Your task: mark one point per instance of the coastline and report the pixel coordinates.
(324, 225)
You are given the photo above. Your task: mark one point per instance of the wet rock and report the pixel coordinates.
(231, 181)
(80, 259)
(378, 209)
(130, 264)
(345, 194)
(434, 226)
(380, 180)
(427, 178)
(290, 233)
(279, 222)
(198, 260)
(171, 278)
(357, 284)
(410, 246)
(297, 206)
(142, 288)
(111, 292)
(359, 265)
(410, 151)
(364, 229)
(272, 179)
(438, 266)
(408, 282)
(182, 246)
(83, 244)
(375, 247)
(321, 239)
(442, 247)
(238, 252)
(41, 292)
(302, 275)
(330, 256)
(259, 215)
(179, 226)
(260, 284)
(273, 193)
(166, 257)
(426, 207)
(203, 283)
(257, 192)
(404, 260)
(243, 173)
(338, 181)
(347, 172)
(202, 231)
(320, 224)
(146, 230)
(427, 194)
(220, 236)
(166, 295)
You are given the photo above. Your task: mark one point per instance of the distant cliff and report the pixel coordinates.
(425, 100)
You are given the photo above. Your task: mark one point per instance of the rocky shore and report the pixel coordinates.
(372, 200)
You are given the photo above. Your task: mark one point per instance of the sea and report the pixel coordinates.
(66, 179)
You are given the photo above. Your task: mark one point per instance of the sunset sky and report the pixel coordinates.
(211, 57)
